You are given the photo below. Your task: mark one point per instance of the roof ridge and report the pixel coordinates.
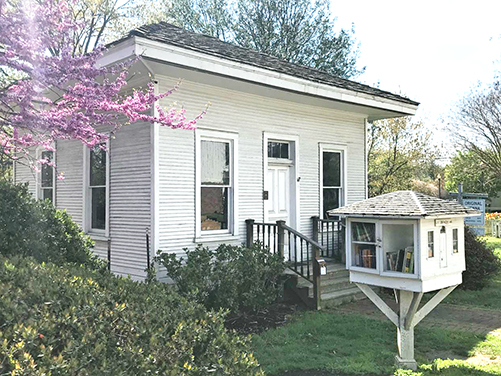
(322, 76)
(418, 203)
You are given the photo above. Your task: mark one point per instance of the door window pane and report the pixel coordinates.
(98, 205)
(214, 210)
(363, 245)
(215, 160)
(331, 169)
(278, 149)
(398, 247)
(97, 167)
(330, 199)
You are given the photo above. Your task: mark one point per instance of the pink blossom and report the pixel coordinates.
(88, 96)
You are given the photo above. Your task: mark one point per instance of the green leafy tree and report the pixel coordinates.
(399, 155)
(476, 123)
(466, 167)
(299, 31)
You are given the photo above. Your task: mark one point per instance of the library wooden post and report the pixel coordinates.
(412, 243)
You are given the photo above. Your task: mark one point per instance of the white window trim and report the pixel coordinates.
(38, 180)
(343, 150)
(294, 163)
(86, 209)
(232, 138)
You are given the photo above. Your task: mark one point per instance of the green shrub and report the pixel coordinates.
(231, 277)
(70, 320)
(35, 228)
(481, 262)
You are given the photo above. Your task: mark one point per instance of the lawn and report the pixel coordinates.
(490, 296)
(341, 344)
(351, 344)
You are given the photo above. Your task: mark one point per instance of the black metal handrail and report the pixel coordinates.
(330, 233)
(302, 251)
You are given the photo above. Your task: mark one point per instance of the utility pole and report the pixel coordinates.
(460, 193)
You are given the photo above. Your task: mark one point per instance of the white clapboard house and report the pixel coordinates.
(280, 142)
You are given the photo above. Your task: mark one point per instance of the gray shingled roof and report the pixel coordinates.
(404, 204)
(173, 35)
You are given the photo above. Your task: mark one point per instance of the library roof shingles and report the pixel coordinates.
(166, 33)
(404, 204)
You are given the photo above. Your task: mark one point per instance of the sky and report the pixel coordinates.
(433, 52)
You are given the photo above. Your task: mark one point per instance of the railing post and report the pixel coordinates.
(316, 277)
(109, 254)
(315, 220)
(281, 237)
(249, 236)
(148, 248)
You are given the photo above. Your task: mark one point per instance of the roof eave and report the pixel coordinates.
(189, 58)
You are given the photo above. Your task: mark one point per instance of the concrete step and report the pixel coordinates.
(328, 284)
(337, 298)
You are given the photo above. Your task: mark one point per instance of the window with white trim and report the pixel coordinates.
(97, 189)
(331, 190)
(216, 185)
(46, 177)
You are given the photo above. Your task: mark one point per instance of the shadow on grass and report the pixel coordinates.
(330, 343)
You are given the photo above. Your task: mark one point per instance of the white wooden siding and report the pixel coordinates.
(24, 174)
(130, 199)
(250, 115)
(130, 195)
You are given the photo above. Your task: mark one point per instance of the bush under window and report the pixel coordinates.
(231, 277)
(30, 227)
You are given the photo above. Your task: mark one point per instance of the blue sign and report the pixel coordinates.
(477, 204)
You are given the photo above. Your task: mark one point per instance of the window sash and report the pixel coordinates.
(339, 188)
(97, 212)
(229, 209)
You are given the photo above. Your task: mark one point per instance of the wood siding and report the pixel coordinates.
(250, 115)
(130, 195)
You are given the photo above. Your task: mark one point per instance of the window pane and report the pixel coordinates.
(98, 208)
(363, 232)
(47, 172)
(97, 167)
(214, 201)
(431, 244)
(398, 248)
(278, 149)
(455, 243)
(215, 160)
(331, 169)
(47, 194)
(331, 199)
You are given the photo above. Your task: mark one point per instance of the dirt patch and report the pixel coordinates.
(251, 322)
(483, 360)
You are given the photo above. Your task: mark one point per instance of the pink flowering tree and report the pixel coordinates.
(48, 93)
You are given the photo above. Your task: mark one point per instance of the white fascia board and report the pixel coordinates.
(122, 51)
(213, 64)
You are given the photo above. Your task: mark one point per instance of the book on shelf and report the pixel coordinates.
(408, 266)
(401, 260)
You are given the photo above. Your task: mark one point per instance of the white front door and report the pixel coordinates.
(278, 203)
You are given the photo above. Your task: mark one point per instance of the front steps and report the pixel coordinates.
(335, 287)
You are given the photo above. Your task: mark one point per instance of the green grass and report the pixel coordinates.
(351, 344)
(488, 297)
